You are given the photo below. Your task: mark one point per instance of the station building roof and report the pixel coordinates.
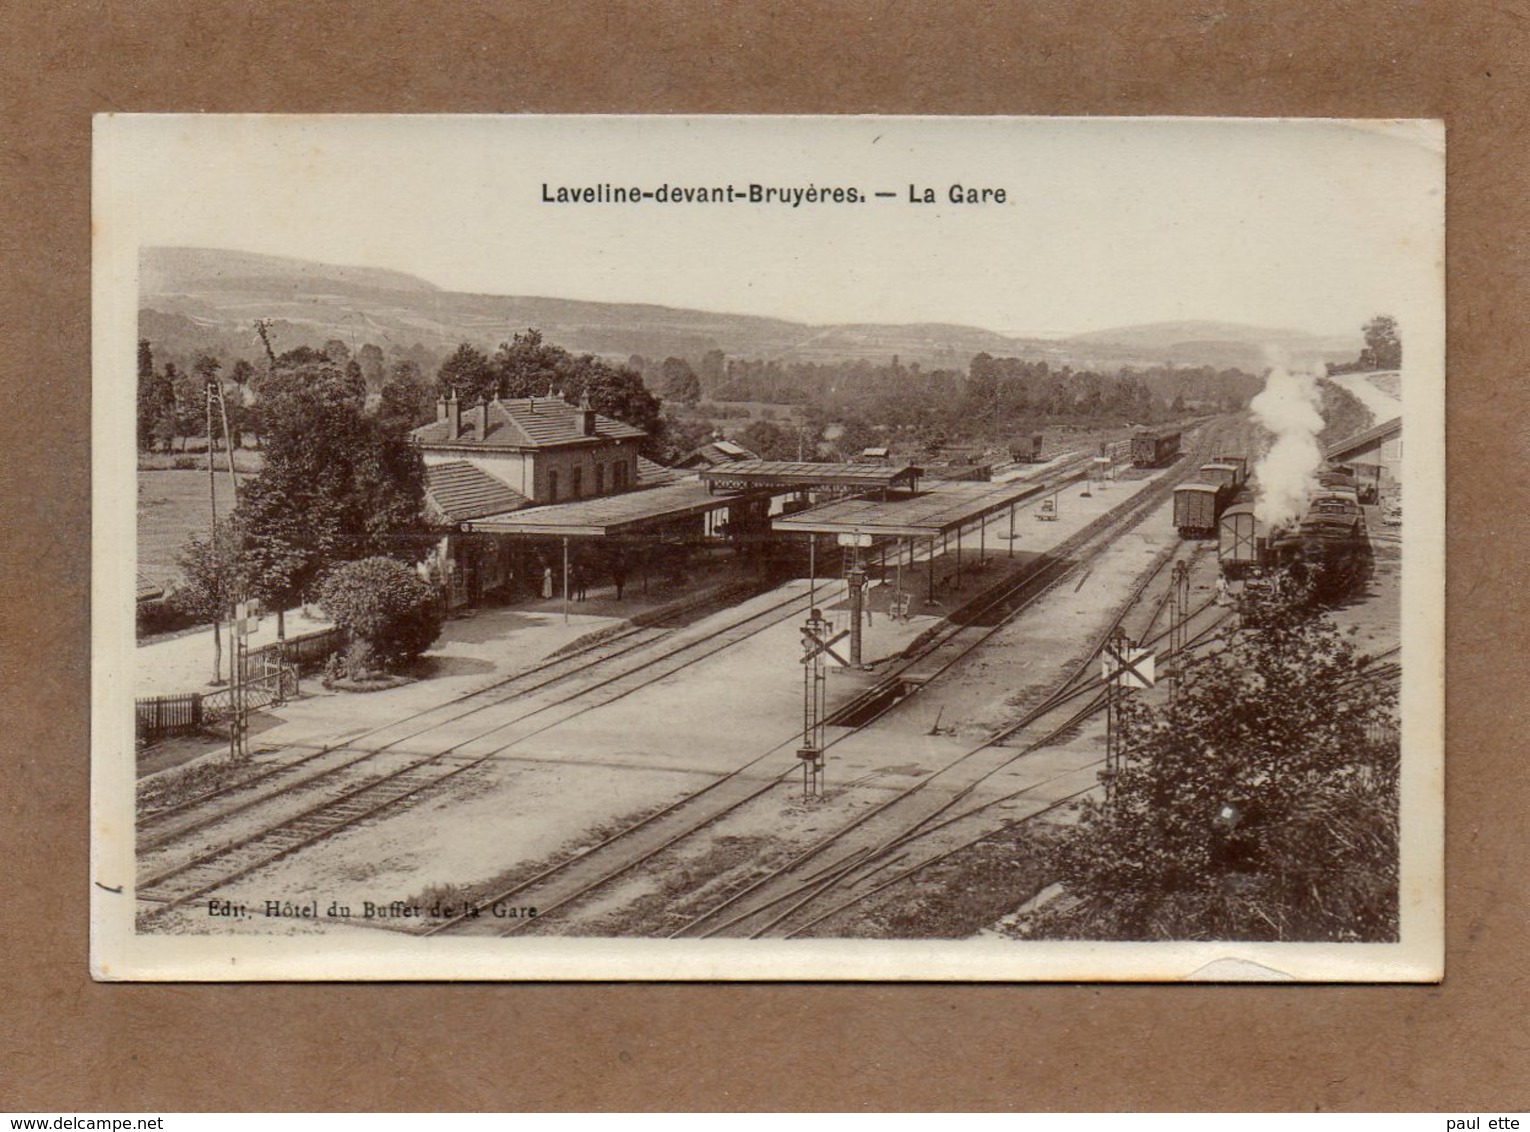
(944, 507)
(519, 424)
(1386, 430)
(743, 474)
(460, 491)
(624, 513)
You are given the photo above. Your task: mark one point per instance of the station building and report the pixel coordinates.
(1375, 454)
(502, 456)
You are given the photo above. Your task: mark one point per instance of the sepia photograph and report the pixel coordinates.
(860, 548)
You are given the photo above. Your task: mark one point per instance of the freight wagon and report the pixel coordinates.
(1197, 506)
(1239, 462)
(1026, 449)
(1222, 474)
(1244, 542)
(1154, 449)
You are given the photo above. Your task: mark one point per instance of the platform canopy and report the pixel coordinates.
(1343, 449)
(625, 513)
(947, 506)
(741, 475)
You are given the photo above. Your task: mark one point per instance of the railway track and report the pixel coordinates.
(571, 881)
(171, 885)
(159, 825)
(754, 908)
(164, 825)
(771, 902)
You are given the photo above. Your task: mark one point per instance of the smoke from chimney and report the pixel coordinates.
(1287, 474)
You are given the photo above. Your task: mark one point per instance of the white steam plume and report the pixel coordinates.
(1287, 473)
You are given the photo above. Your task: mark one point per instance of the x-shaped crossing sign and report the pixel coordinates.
(1126, 667)
(814, 645)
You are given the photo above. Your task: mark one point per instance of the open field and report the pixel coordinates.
(172, 506)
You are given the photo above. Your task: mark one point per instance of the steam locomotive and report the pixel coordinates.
(1329, 541)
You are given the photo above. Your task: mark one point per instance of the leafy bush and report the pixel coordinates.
(161, 615)
(1260, 804)
(391, 613)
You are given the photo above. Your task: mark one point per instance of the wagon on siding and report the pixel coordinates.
(1240, 462)
(1197, 507)
(1154, 449)
(1223, 475)
(1026, 449)
(1243, 541)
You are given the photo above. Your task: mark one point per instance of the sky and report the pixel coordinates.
(1310, 225)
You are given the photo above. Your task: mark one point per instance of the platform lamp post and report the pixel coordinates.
(565, 579)
(856, 577)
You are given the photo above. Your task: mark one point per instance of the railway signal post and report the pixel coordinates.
(1123, 667)
(818, 641)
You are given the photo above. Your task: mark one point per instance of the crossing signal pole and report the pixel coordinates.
(818, 641)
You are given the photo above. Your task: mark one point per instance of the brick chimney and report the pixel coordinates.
(483, 420)
(586, 415)
(440, 409)
(453, 417)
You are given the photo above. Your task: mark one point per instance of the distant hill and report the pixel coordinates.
(201, 298)
(177, 270)
(1220, 344)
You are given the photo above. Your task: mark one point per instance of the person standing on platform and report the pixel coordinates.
(619, 578)
(580, 585)
(547, 580)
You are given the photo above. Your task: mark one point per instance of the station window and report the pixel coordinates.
(578, 482)
(600, 479)
(552, 487)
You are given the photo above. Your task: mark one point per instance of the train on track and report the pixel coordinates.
(1198, 506)
(1154, 449)
(1329, 543)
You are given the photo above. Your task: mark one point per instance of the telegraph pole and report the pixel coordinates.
(1179, 627)
(212, 544)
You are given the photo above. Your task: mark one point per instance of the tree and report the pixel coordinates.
(714, 371)
(239, 415)
(155, 400)
(373, 366)
(391, 614)
(405, 399)
(617, 392)
(337, 485)
(527, 366)
(1383, 347)
(1259, 805)
(337, 351)
(206, 368)
(468, 374)
(214, 574)
(188, 415)
(680, 381)
(769, 441)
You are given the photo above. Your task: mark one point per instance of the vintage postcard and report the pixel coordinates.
(768, 548)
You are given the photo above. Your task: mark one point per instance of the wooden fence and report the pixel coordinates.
(160, 717)
(306, 654)
(269, 680)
